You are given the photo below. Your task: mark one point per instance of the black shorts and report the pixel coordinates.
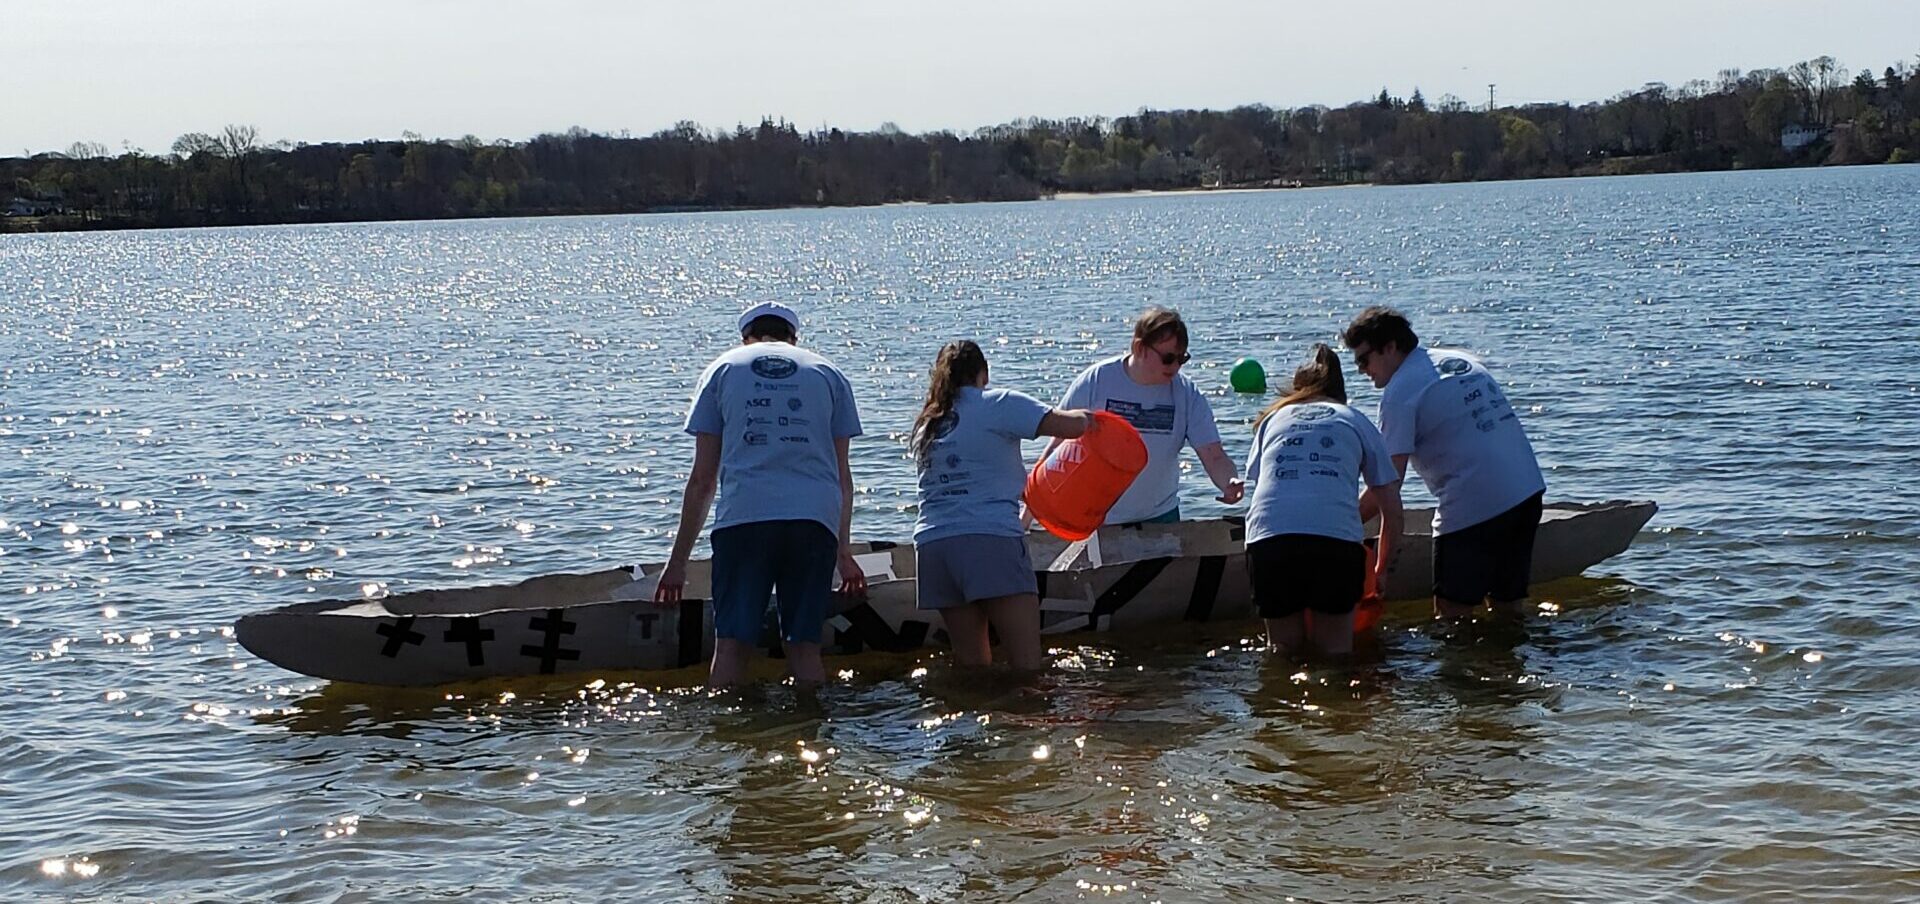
(1491, 559)
(1296, 572)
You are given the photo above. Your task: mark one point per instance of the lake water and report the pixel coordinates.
(199, 424)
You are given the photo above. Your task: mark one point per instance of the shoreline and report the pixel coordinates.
(1199, 190)
(61, 223)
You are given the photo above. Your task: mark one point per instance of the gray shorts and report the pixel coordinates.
(955, 571)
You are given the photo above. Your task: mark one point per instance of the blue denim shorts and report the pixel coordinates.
(791, 561)
(955, 571)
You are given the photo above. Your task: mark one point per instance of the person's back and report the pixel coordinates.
(974, 475)
(1442, 412)
(1304, 531)
(1446, 411)
(771, 424)
(778, 409)
(1306, 461)
(971, 562)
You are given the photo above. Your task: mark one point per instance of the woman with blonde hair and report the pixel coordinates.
(970, 548)
(1304, 534)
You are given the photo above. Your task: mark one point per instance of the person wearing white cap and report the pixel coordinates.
(771, 423)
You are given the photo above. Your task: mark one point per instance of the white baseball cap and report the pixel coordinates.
(769, 309)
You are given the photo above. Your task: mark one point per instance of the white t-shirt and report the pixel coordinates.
(974, 474)
(1168, 416)
(1443, 409)
(777, 410)
(1304, 471)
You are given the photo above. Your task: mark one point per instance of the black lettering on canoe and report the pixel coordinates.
(1124, 590)
(398, 634)
(692, 631)
(549, 652)
(469, 632)
(1206, 587)
(868, 629)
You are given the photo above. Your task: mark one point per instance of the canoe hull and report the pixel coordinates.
(1146, 575)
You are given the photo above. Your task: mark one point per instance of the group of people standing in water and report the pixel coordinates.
(772, 422)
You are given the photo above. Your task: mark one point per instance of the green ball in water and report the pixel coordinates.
(1247, 376)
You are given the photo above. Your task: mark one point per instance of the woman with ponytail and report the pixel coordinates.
(1304, 532)
(970, 549)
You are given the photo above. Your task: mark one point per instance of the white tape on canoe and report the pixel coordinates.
(1069, 607)
(1090, 545)
(640, 588)
(878, 566)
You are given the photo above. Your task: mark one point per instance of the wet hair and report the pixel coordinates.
(1156, 324)
(1380, 327)
(959, 364)
(769, 326)
(1320, 376)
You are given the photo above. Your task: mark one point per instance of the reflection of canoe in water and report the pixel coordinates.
(1189, 571)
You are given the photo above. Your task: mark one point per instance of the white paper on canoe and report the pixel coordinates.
(877, 566)
(1091, 546)
(640, 588)
(1069, 607)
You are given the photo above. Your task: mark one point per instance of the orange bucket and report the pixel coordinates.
(1366, 615)
(1070, 491)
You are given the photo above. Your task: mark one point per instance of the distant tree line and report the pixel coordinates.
(1809, 113)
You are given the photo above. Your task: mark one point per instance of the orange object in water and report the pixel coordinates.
(1366, 615)
(1070, 491)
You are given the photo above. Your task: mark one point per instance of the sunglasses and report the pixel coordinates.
(1170, 359)
(1360, 358)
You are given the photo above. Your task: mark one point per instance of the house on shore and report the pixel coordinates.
(1795, 137)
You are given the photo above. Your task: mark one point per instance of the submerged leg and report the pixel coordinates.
(1287, 634)
(803, 662)
(1332, 634)
(1450, 610)
(730, 659)
(967, 629)
(1017, 619)
(1513, 607)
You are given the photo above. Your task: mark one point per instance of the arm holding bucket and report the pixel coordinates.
(1079, 397)
(1061, 424)
(1065, 425)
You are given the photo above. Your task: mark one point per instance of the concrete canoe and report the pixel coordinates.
(605, 621)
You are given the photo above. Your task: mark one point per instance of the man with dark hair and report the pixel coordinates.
(1145, 386)
(1442, 410)
(771, 424)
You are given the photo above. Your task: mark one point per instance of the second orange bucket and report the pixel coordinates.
(1070, 490)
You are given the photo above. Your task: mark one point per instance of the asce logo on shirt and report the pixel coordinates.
(1312, 413)
(1454, 367)
(774, 367)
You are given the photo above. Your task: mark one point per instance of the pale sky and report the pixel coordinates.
(144, 72)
